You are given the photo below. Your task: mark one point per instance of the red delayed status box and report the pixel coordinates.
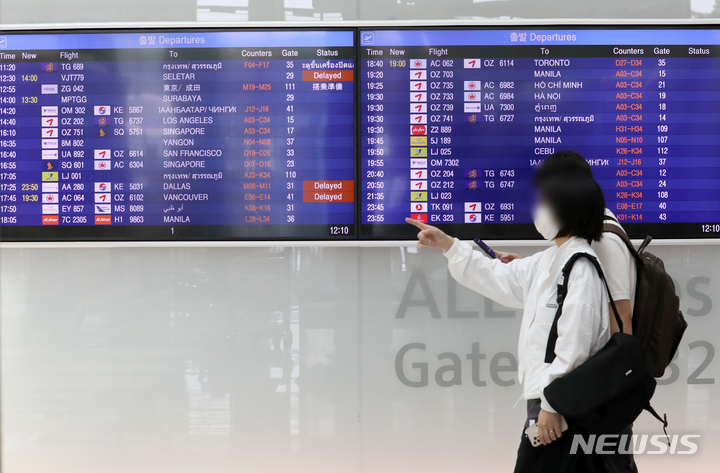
(335, 76)
(328, 191)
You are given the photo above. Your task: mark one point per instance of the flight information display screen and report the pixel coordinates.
(161, 135)
(453, 121)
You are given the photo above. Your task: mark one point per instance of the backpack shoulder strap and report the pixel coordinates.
(616, 230)
(561, 295)
(663, 420)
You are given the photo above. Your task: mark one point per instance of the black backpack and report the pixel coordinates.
(608, 392)
(657, 320)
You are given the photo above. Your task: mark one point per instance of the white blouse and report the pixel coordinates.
(531, 284)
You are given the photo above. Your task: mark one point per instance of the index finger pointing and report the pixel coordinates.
(417, 223)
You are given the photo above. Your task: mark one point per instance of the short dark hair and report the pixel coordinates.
(573, 195)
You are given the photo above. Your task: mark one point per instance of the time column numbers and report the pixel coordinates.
(9, 185)
(373, 159)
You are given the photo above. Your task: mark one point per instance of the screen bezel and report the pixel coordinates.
(523, 232)
(515, 233)
(153, 233)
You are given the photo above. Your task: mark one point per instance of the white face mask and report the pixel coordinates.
(545, 221)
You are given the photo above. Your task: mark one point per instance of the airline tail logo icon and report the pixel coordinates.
(101, 154)
(418, 130)
(418, 141)
(102, 208)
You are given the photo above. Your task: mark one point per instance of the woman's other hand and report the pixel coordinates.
(432, 236)
(506, 257)
(549, 426)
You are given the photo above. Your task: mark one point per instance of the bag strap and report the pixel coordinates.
(561, 295)
(663, 420)
(616, 230)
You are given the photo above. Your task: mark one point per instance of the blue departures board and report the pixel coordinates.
(453, 121)
(251, 134)
(161, 135)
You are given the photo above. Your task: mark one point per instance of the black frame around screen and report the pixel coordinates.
(184, 232)
(319, 232)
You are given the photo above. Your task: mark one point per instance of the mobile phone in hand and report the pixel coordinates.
(483, 246)
(533, 432)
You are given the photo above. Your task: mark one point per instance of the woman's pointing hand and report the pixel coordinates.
(431, 236)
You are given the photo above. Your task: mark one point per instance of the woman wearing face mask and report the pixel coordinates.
(569, 212)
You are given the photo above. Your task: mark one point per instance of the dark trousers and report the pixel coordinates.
(555, 457)
(622, 462)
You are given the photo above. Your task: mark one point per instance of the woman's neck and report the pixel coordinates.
(561, 241)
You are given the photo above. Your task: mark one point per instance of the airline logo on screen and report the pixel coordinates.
(418, 152)
(101, 154)
(50, 154)
(473, 207)
(418, 130)
(50, 209)
(418, 64)
(102, 110)
(418, 174)
(418, 185)
(418, 141)
(102, 187)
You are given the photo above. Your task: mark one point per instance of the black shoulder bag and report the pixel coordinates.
(608, 392)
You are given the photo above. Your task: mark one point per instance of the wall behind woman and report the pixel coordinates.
(291, 359)
(70, 11)
(308, 359)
